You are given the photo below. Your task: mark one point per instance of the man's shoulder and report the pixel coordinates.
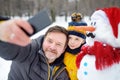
(38, 41)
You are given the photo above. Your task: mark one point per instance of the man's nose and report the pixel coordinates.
(53, 46)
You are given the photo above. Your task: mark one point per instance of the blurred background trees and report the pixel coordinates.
(55, 7)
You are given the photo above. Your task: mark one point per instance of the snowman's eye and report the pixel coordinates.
(93, 23)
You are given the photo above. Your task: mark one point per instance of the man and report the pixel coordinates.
(38, 59)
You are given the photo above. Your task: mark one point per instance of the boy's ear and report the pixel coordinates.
(83, 41)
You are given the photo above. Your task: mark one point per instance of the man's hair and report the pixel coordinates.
(58, 29)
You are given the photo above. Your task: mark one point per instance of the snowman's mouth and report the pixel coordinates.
(90, 34)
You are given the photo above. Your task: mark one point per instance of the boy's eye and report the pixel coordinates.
(76, 39)
(57, 44)
(69, 37)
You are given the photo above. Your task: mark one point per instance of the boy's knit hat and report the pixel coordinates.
(72, 30)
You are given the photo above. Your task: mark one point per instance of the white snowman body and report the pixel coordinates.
(88, 70)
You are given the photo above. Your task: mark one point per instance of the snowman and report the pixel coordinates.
(99, 59)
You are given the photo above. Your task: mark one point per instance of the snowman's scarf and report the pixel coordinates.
(105, 55)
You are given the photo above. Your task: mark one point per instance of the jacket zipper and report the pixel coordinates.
(59, 73)
(48, 69)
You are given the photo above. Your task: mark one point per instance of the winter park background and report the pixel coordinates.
(5, 65)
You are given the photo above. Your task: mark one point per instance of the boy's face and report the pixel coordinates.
(54, 45)
(75, 41)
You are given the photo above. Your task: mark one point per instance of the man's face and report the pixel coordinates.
(54, 45)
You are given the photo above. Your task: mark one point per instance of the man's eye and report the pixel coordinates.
(58, 44)
(49, 41)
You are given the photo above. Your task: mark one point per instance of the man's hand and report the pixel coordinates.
(12, 31)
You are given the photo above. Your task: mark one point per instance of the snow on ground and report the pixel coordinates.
(5, 65)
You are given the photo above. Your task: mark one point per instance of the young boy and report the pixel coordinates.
(76, 40)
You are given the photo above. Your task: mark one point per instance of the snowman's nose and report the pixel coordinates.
(86, 28)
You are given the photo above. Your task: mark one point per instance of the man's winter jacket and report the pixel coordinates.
(30, 63)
